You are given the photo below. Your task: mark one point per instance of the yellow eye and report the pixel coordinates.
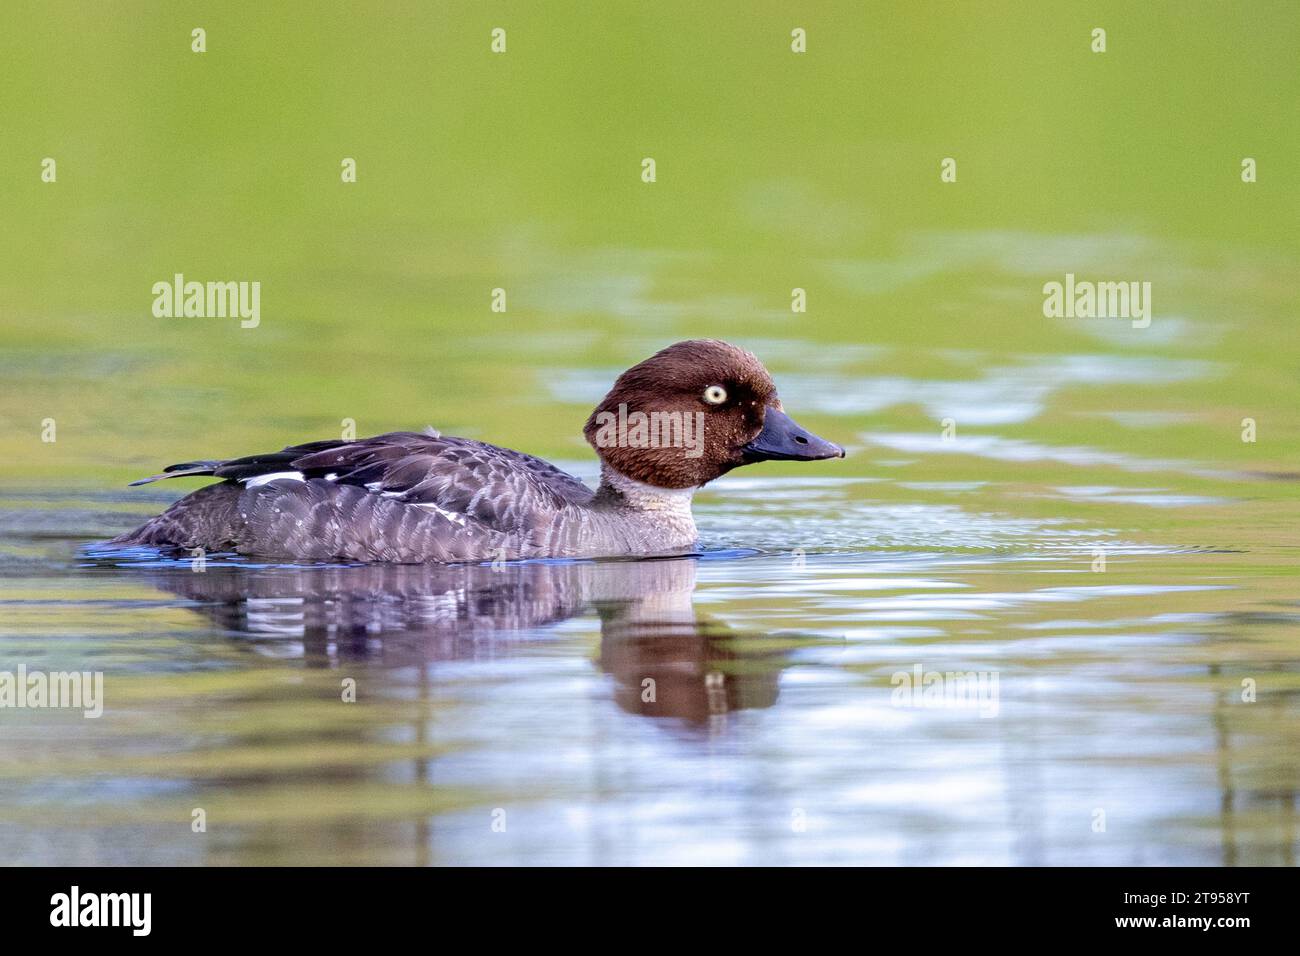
(715, 394)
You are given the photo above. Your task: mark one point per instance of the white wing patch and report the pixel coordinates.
(263, 479)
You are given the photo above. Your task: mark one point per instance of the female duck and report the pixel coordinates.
(671, 424)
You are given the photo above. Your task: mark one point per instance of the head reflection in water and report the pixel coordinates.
(665, 659)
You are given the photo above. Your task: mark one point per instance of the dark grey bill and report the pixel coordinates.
(782, 439)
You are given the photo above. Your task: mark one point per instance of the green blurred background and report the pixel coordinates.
(522, 171)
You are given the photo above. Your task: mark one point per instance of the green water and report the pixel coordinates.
(1090, 526)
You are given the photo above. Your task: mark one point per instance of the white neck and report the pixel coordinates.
(643, 497)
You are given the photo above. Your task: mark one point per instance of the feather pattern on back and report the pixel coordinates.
(398, 497)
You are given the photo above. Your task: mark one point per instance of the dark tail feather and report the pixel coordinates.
(183, 470)
(238, 469)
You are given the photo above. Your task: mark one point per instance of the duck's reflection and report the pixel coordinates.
(666, 660)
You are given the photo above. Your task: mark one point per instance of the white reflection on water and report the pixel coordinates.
(1019, 449)
(1003, 394)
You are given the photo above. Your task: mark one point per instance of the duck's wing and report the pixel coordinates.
(504, 489)
(465, 477)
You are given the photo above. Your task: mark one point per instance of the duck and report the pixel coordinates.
(671, 424)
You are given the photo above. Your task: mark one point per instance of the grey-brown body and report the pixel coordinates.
(411, 498)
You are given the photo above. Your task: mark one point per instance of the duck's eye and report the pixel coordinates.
(715, 394)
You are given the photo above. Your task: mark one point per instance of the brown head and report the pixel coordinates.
(694, 411)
